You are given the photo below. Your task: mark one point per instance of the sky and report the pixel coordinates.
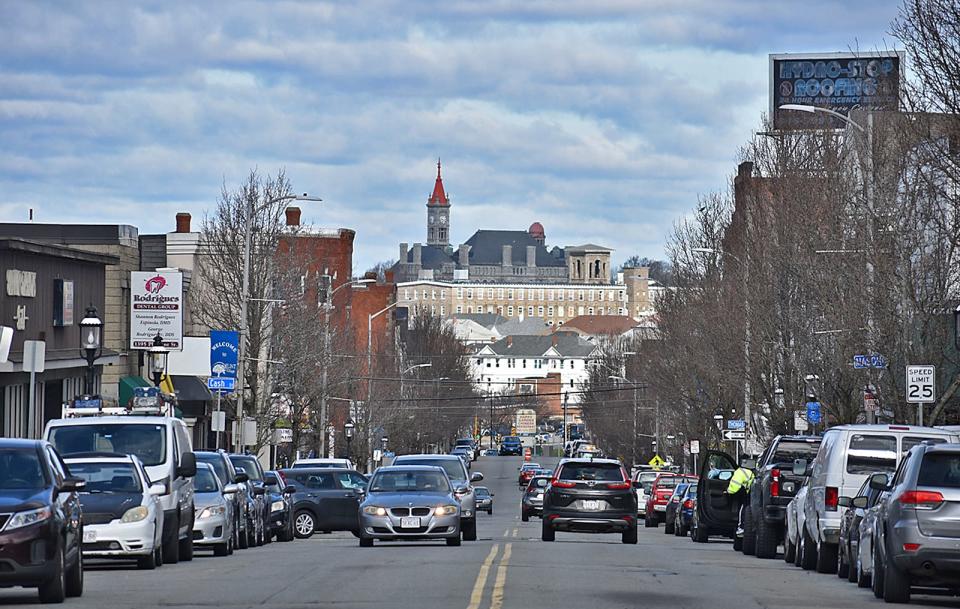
(601, 119)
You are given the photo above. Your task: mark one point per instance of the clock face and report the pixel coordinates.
(433, 218)
(443, 220)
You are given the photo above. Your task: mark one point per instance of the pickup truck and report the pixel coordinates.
(764, 518)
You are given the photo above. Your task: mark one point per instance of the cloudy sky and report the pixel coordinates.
(602, 119)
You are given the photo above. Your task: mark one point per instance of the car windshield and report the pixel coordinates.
(790, 451)
(204, 481)
(249, 465)
(511, 440)
(870, 453)
(527, 466)
(481, 491)
(415, 481)
(20, 469)
(940, 470)
(453, 467)
(667, 482)
(539, 482)
(692, 491)
(107, 477)
(465, 442)
(216, 462)
(147, 441)
(272, 483)
(603, 472)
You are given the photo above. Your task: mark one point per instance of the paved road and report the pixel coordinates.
(507, 567)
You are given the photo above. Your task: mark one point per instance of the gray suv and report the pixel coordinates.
(462, 488)
(917, 541)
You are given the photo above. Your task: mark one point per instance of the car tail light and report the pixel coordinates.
(688, 504)
(911, 547)
(921, 500)
(775, 482)
(562, 484)
(618, 486)
(283, 478)
(831, 498)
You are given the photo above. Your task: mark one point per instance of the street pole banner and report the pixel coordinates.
(156, 305)
(224, 352)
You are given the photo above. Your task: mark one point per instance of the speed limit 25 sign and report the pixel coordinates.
(921, 384)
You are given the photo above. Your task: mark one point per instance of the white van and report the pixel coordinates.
(848, 454)
(163, 446)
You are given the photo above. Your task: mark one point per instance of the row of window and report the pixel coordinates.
(538, 364)
(539, 311)
(411, 294)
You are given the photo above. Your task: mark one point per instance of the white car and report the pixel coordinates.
(332, 463)
(215, 511)
(795, 522)
(642, 483)
(122, 514)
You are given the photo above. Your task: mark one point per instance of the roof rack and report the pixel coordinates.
(153, 404)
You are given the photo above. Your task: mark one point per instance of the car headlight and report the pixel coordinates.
(25, 519)
(210, 512)
(135, 514)
(276, 506)
(445, 510)
(374, 510)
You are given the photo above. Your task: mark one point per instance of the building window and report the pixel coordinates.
(510, 311)
(550, 295)
(530, 295)
(433, 309)
(469, 309)
(590, 295)
(623, 311)
(489, 308)
(510, 294)
(425, 295)
(524, 362)
(590, 311)
(579, 310)
(511, 363)
(469, 293)
(540, 310)
(500, 293)
(530, 311)
(600, 295)
(560, 295)
(443, 294)
(538, 364)
(550, 311)
(622, 296)
(479, 362)
(406, 294)
(441, 310)
(570, 311)
(500, 310)
(571, 382)
(489, 364)
(459, 309)
(580, 295)
(489, 293)
(520, 294)
(570, 295)
(459, 293)
(496, 363)
(433, 294)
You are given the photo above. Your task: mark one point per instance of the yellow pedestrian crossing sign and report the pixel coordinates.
(656, 462)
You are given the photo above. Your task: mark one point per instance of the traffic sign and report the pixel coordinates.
(225, 384)
(870, 402)
(921, 384)
(734, 434)
(656, 461)
(800, 420)
(874, 360)
(813, 412)
(694, 447)
(736, 424)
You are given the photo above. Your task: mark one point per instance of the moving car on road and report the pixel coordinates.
(41, 528)
(511, 445)
(527, 471)
(461, 481)
(324, 499)
(484, 499)
(215, 517)
(590, 496)
(122, 515)
(532, 502)
(410, 502)
(470, 444)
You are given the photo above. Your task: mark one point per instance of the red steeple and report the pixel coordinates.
(439, 196)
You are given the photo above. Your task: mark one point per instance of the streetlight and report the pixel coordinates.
(247, 236)
(157, 356)
(815, 109)
(327, 307)
(91, 346)
(348, 433)
(370, 319)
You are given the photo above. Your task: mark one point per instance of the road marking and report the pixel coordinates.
(496, 597)
(477, 595)
(515, 531)
(506, 533)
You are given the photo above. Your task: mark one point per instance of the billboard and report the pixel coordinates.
(835, 81)
(156, 305)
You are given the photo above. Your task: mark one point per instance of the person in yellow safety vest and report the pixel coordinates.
(737, 489)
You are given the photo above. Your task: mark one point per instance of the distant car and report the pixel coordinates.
(213, 527)
(465, 453)
(643, 483)
(325, 499)
(660, 493)
(484, 499)
(324, 462)
(684, 513)
(42, 531)
(470, 444)
(410, 502)
(280, 497)
(490, 452)
(122, 515)
(511, 445)
(532, 502)
(527, 471)
(670, 514)
(590, 496)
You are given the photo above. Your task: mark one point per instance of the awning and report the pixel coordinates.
(127, 384)
(192, 395)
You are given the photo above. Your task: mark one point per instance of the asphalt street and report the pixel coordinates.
(508, 567)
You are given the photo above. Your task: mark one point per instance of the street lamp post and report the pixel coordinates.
(383, 448)
(157, 357)
(348, 434)
(369, 414)
(247, 237)
(91, 346)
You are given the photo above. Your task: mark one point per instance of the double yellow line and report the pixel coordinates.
(496, 595)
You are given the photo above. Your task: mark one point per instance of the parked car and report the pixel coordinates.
(670, 513)
(684, 512)
(324, 499)
(590, 496)
(122, 515)
(511, 445)
(42, 531)
(660, 493)
(465, 453)
(223, 467)
(470, 444)
(323, 462)
(716, 513)
(916, 540)
(847, 456)
(484, 499)
(215, 523)
(531, 504)
(643, 483)
(764, 514)
(410, 502)
(280, 496)
(855, 508)
(462, 486)
(257, 509)
(526, 472)
(792, 544)
(490, 452)
(162, 443)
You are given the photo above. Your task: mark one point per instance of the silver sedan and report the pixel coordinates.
(414, 502)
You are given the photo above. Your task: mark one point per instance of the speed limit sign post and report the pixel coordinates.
(921, 387)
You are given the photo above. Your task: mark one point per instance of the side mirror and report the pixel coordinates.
(73, 484)
(231, 489)
(880, 482)
(476, 477)
(157, 490)
(859, 502)
(800, 467)
(259, 490)
(188, 466)
(461, 490)
(844, 502)
(359, 491)
(242, 478)
(289, 489)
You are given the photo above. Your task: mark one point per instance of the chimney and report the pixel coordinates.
(553, 339)
(507, 257)
(403, 253)
(464, 252)
(416, 255)
(388, 277)
(293, 216)
(183, 222)
(531, 256)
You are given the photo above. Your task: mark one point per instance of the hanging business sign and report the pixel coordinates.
(156, 306)
(224, 352)
(834, 81)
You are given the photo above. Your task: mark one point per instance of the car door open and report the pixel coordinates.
(714, 506)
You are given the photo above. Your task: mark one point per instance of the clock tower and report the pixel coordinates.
(438, 214)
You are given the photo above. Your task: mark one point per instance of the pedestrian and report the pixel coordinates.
(738, 489)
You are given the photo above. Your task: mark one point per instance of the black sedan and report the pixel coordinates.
(280, 498)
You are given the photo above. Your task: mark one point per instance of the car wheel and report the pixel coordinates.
(546, 532)
(453, 541)
(186, 549)
(789, 550)
(469, 530)
(171, 549)
(147, 563)
(826, 558)
(158, 554)
(629, 536)
(700, 533)
(809, 561)
(649, 522)
(876, 580)
(896, 584)
(230, 548)
(490, 512)
(863, 579)
(524, 516)
(222, 549)
(766, 539)
(854, 567)
(54, 590)
(668, 527)
(798, 555)
(304, 524)
(843, 566)
(366, 542)
(749, 532)
(738, 544)
(243, 541)
(74, 583)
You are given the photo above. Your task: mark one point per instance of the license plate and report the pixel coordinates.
(591, 505)
(89, 537)
(410, 522)
(660, 508)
